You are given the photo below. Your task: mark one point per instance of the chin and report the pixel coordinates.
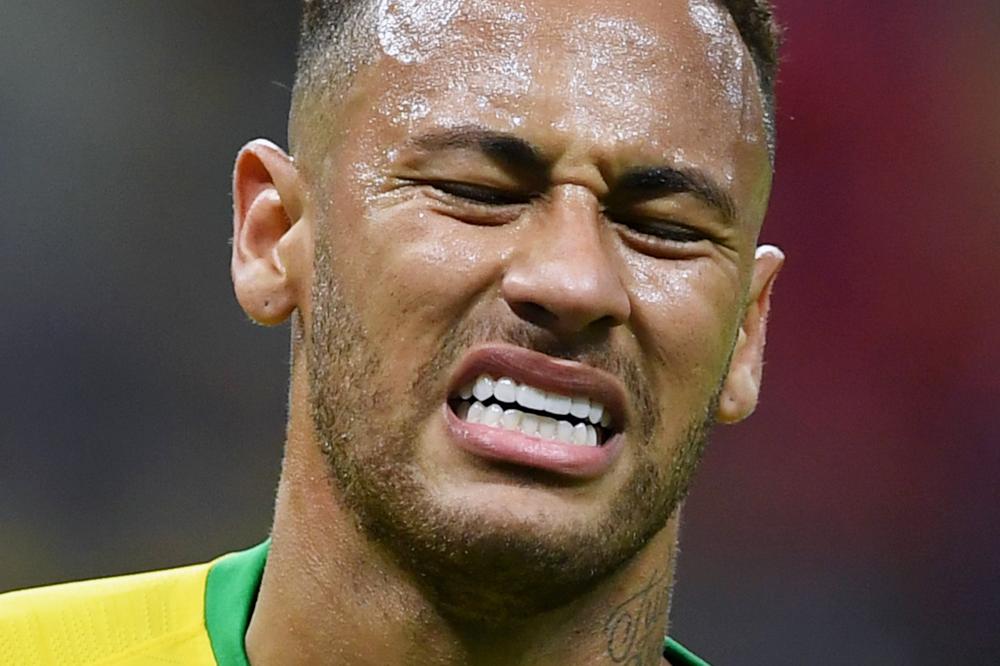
(501, 550)
(520, 498)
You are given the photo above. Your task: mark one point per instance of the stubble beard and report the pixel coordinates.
(476, 569)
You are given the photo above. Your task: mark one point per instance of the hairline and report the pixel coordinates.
(347, 43)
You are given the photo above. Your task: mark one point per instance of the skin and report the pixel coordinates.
(366, 222)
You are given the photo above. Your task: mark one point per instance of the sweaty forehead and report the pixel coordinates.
(615, 83)
(671, 74)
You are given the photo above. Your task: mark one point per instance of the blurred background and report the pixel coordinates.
(854, 520)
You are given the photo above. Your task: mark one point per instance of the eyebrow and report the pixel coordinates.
(505, 148)
(636, 182)
(645, 182)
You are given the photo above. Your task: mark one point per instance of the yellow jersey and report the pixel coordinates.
(191, 616)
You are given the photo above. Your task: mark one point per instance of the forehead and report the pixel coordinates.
(654, 80)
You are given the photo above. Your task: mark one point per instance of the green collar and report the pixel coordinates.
(231, 592)
(230, 595)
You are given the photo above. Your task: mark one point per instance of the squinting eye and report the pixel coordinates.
(480, 194)
(664, 230)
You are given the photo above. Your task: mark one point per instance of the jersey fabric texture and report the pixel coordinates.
(191, 616)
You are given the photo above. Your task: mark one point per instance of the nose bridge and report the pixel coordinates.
(562, 276)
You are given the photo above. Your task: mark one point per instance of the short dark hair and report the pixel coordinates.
(325, 21)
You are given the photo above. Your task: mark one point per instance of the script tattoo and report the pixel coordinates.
(631, 625)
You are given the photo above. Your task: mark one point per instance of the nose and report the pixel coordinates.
(561, 276)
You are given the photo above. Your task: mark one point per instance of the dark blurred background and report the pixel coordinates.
(853, 520)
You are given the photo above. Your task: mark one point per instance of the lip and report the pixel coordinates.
(556, 375)
(508, 446)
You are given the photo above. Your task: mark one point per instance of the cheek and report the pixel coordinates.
(684, 314)
(421, 273)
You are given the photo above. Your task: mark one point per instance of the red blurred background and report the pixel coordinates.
(854, 519)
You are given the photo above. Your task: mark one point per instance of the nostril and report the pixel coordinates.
(607, 321)
(534, 313)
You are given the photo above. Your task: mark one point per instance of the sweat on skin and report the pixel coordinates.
(568, 197)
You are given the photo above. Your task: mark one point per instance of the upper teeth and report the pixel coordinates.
(507, 390)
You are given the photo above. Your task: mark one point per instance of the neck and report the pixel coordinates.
(329, 595)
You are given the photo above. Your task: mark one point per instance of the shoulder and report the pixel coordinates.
(127, 619)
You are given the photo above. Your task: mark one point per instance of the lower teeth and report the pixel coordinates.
(532, 425)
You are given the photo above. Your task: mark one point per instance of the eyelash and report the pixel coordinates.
(661, 230)
(664, 231)
(481, 195)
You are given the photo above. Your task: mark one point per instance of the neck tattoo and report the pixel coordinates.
(632, 629)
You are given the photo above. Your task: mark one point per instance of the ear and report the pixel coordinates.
(741, 388)
(267, 243)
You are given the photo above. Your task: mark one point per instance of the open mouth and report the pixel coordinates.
(517, 406)
(504, 403)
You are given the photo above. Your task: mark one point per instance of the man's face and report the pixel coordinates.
(561, 196)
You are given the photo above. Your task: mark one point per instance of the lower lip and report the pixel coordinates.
(511, 447)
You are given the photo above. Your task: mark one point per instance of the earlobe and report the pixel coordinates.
(741, 388)
(267, 204)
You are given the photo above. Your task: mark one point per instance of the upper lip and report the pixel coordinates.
(569, 378)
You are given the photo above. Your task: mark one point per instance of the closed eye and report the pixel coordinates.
(479, 194)
(666, 230)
